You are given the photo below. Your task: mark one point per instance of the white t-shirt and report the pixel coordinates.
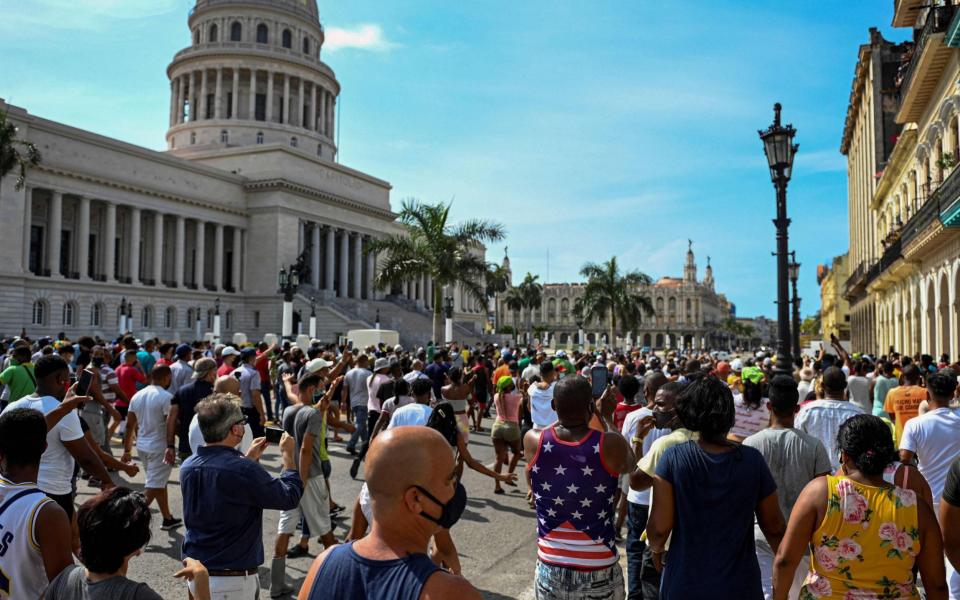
(356, 379)
(749, 420)
(151, 405)
(629, 430)
(56, 464)
(859, 388)
(411, 414)
(541, 407)
(935, 438)
(195, 437)
(822, 419)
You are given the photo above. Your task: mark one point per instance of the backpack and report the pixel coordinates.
(444, 420)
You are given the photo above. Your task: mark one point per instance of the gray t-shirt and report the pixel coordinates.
(72, 584)
(310, 420)
(356, 379)
(794, 457)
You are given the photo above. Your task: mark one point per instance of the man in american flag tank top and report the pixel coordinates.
(573, 476)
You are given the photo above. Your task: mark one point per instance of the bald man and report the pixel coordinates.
(411, 477)
(227, 384)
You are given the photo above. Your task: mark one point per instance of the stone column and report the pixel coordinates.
(54, 226)
(218, 256)
(173, 101)
(252, 96)
(199, 260)
(301, 103)
(109, 242)
(357, 266)
(203, 94)
(314, 96)
(323, 112)
(158, 249)
(134, 253)
(179, 250)
(235, 101)
(285, 110)
(237, 253)
(330, 251)
(27, 227)
(333, 113)
(344, 281)
(315, 255)
(193, 96)
(371, 274)
(83, 238)
(269, 115)
(181, 96)
(218, 95)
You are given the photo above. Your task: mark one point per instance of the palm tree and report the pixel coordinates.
(532, 293)
(15, 153)
(610, 293)
(515, 301)
(497, 280)
(433, 247)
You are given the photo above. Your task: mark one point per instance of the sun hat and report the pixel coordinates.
(381, 363)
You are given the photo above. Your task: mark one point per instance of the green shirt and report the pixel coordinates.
(567, 366)
(523, 363)
(19, 380)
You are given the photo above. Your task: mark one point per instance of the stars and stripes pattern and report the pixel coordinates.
(574, 493)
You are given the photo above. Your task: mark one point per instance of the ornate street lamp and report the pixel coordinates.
(313, 318)
(779, 148)
(122, 319)
(129, 316)
(216, 321)
(794, 276)
(289, 281)
(580, 332)
(377, 325)
(448, 312)
(198, 327)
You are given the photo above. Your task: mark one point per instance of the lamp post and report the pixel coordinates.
(129, 326)
(794, 276)
(779, 148)
(122, 319)
(198, 331)
(377, 324)
(289, 283)
(580, 333)
(313, 318)
(216, 321)
(448, 312)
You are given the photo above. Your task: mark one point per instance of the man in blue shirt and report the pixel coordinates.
(437, 372)
(224, 495)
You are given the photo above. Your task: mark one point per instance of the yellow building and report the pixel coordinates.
(907, 247)
(834, 308)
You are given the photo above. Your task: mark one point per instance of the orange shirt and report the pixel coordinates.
(501, 371)
(903, 403)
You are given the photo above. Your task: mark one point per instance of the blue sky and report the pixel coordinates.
(588, 129)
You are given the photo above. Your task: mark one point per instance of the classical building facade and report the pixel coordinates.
(905, 250)
(688, 313)
(834, 308)
(249, 185)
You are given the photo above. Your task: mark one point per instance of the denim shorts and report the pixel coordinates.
(326, 468)
(563, 583)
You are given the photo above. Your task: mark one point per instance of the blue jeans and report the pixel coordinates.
(636, 523)
(265, 389)
(360, 420)
(280, 400)
(561, 583)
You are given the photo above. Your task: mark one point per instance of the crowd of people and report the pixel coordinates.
(723, 479)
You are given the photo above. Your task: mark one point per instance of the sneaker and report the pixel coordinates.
(94, 482)
(171, 523)
(298, 551)
(355, 468)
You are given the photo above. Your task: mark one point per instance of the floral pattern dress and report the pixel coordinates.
(866, 546)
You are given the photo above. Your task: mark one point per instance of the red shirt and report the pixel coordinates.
(621, 411)
(262, 365)
(225, 369)
(127, 378)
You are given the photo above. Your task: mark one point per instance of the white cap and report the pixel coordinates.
(317, 364)
(230, 351)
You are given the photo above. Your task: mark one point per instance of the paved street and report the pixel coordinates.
(496, 536)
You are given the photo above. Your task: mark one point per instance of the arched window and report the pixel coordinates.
(210, 318)
(69, 310)
(293, 142)
(551, 310)
(170, 318)
(660, 305)
(287, 40)
(146, 317)
(263, 34)
(213, 33)
(672, 304)
(306, 45)
(95, 314)
(564, 309)
(224, 136)
(259, 137)
(236, 31)
(193, 137)
(39, 313)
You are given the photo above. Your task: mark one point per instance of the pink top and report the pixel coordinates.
(508, 406)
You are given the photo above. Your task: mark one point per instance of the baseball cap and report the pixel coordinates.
(184, 349)
(247, 353)
(202, 367)
(736, 365)
(230, 351)
(316, 365)
(561, 353)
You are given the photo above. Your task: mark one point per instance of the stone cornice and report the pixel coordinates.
(280, 184)
(923, 241)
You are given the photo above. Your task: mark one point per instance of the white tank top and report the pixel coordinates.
(21, 566)
(541, 409)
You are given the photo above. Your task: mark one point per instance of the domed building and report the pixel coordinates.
(107, 236)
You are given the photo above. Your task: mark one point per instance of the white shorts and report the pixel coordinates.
(315, 508)
(156, 472)
(231, 588)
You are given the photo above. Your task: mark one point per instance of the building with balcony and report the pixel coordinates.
(905, 257)
(250, 183)
(834, 308)
(688, 313)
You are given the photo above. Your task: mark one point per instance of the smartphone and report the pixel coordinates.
(273, 434)
(349, 344)
(84, 379)
(598, 378)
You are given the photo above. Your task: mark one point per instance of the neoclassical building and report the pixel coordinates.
(688, 313)
(249, 184)
(904, 243)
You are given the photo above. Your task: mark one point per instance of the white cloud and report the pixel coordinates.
(367, 36)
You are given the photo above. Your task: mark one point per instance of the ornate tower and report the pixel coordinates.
(690, 268)
(506, 265)
(708, 278)
(252, 75)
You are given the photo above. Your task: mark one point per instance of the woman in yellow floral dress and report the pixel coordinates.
(864, 535)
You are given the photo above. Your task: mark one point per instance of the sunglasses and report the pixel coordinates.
(243, 421)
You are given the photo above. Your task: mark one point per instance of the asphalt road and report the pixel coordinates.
(496, 536)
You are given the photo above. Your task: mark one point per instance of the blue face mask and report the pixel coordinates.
(450, 512)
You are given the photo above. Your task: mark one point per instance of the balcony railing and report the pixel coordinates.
(938, 20)
(939, 199)
(855, 277)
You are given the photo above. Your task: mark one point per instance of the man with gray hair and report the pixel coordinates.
(182, 406)
(224, 495)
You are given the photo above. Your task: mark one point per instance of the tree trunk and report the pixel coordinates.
(438, 316)
(496, 312)
(613, 330)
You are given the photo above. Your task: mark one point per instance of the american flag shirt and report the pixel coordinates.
(573, 492)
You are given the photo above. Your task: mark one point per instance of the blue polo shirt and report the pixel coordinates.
(224, 494)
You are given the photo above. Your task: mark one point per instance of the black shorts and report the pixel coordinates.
(123, 410)
(65, 501)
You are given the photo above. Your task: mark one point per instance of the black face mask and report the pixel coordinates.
(97, 362)
(662, 419)
(450, 512)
